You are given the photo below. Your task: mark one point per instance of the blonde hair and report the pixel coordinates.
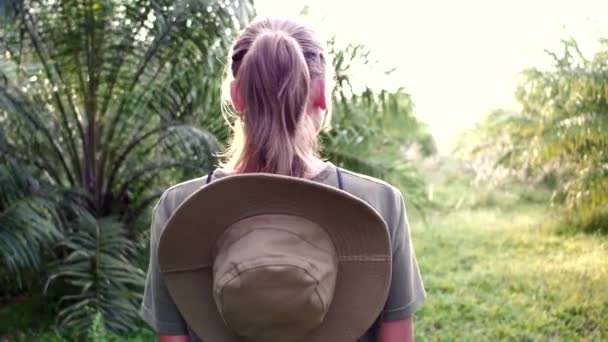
(273, 62)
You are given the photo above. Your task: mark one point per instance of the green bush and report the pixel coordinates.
(560, 136)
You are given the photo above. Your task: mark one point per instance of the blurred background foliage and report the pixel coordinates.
(369, 120)
(558, 139)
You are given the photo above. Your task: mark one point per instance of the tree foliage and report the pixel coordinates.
(29, 220)
(110, 102)
(102, 94)
(371, 127)
(562, 127)
(103, 279)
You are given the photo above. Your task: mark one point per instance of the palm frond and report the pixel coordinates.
(91, 89)
(562, 128)
(30, 221)
(99, 276)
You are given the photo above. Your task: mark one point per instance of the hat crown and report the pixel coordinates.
(274, 277)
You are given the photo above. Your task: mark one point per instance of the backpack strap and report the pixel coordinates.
(209, 175)
(339, 176)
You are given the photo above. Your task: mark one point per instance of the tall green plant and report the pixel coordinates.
(106, 285)
(107, 98)
(562, 127)
(568, 109)
(101, 95)
(29, 221)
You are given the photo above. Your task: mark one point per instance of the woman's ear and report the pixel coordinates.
(235, 96)
(318, 95)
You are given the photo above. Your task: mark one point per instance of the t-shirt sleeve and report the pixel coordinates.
(157, 308)
(406, 292)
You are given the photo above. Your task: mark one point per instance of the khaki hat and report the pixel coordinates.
(269, 258)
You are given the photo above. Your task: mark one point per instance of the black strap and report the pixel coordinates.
(340, 182)
(210, 175)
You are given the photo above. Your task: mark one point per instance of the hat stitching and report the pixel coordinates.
(236, 272)
(270, 213)
(366, 258)
(281, 230)
(345, 258)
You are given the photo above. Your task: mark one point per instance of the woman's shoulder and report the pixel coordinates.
(367, 181)
(381, 195)
(173, 196)
(367, 186)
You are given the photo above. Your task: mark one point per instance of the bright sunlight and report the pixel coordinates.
(458, 59)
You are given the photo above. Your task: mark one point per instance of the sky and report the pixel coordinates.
(458, 59)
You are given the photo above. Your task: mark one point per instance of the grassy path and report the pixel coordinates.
(503, 273)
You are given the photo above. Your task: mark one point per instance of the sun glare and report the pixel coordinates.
(458, 59)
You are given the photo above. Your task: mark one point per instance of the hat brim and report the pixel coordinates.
(358, 232)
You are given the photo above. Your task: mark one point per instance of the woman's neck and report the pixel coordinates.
(314, 167)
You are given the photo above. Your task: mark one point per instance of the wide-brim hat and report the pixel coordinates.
(260, 257)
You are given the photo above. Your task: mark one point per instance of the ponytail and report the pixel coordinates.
(273, 134)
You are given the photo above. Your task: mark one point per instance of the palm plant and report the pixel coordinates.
(562, 127)
(105, 282)
(567, 109)
(29, 223)
(106, 98)
(101, 95)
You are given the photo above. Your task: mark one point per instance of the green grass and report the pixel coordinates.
(495, 268)
(493, 274)
(498, 264)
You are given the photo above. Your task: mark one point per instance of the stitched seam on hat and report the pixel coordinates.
(238, 273)
(372, 258)
(344, 258)
(280, 230)
(242, 267)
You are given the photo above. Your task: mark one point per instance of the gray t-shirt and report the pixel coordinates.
(406, 291)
